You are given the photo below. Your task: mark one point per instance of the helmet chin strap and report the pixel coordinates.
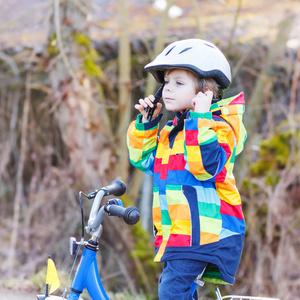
(213, 99)
(203, 86)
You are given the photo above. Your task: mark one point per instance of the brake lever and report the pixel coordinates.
(157, 97)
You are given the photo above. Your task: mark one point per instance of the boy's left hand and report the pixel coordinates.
(148, 103)
(202, 102)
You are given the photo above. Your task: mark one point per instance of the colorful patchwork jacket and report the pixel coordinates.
(197, 210)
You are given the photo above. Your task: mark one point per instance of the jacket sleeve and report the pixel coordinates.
(209, 147)
(142, 143)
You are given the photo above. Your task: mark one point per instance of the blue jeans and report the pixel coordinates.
(177, 277)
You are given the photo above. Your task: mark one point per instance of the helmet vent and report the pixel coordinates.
(186, 49)
(170, 50)
(209, 46)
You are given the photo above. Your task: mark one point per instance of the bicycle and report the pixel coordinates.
(88, 263)
(87, 275)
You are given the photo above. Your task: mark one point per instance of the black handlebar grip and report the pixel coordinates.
(115, 210)
(130, 215)
(117, 188)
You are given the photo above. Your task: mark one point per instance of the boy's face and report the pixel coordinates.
(179, 90)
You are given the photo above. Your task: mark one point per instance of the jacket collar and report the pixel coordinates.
(178, 123)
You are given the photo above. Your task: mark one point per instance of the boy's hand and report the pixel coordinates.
(147, 102)
(202, 102)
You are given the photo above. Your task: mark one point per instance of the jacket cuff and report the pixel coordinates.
(147, 125)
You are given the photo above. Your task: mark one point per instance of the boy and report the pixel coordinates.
(197, 212)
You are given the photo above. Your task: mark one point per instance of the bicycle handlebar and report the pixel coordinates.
(130, 215)
(117, 188)
(96, 215)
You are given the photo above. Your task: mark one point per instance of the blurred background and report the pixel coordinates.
(70, 73)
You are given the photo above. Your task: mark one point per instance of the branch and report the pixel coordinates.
(294, 90)
(237, 13)
(60, 42)
(19, 188)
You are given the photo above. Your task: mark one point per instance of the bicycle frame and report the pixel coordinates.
(87, 276)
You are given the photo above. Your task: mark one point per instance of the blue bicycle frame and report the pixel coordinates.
(87, 276)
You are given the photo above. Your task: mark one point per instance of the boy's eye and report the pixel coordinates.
(166, 81)
(179, 83)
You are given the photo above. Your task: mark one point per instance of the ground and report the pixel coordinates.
(6, 294)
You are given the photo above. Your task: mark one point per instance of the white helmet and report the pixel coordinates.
(201, 57)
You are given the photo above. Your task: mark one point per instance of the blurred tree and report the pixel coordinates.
(124, 88)
(79, 103)
(92, 117)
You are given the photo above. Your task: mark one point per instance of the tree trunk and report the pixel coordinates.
(124, 88)
(79, 106)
